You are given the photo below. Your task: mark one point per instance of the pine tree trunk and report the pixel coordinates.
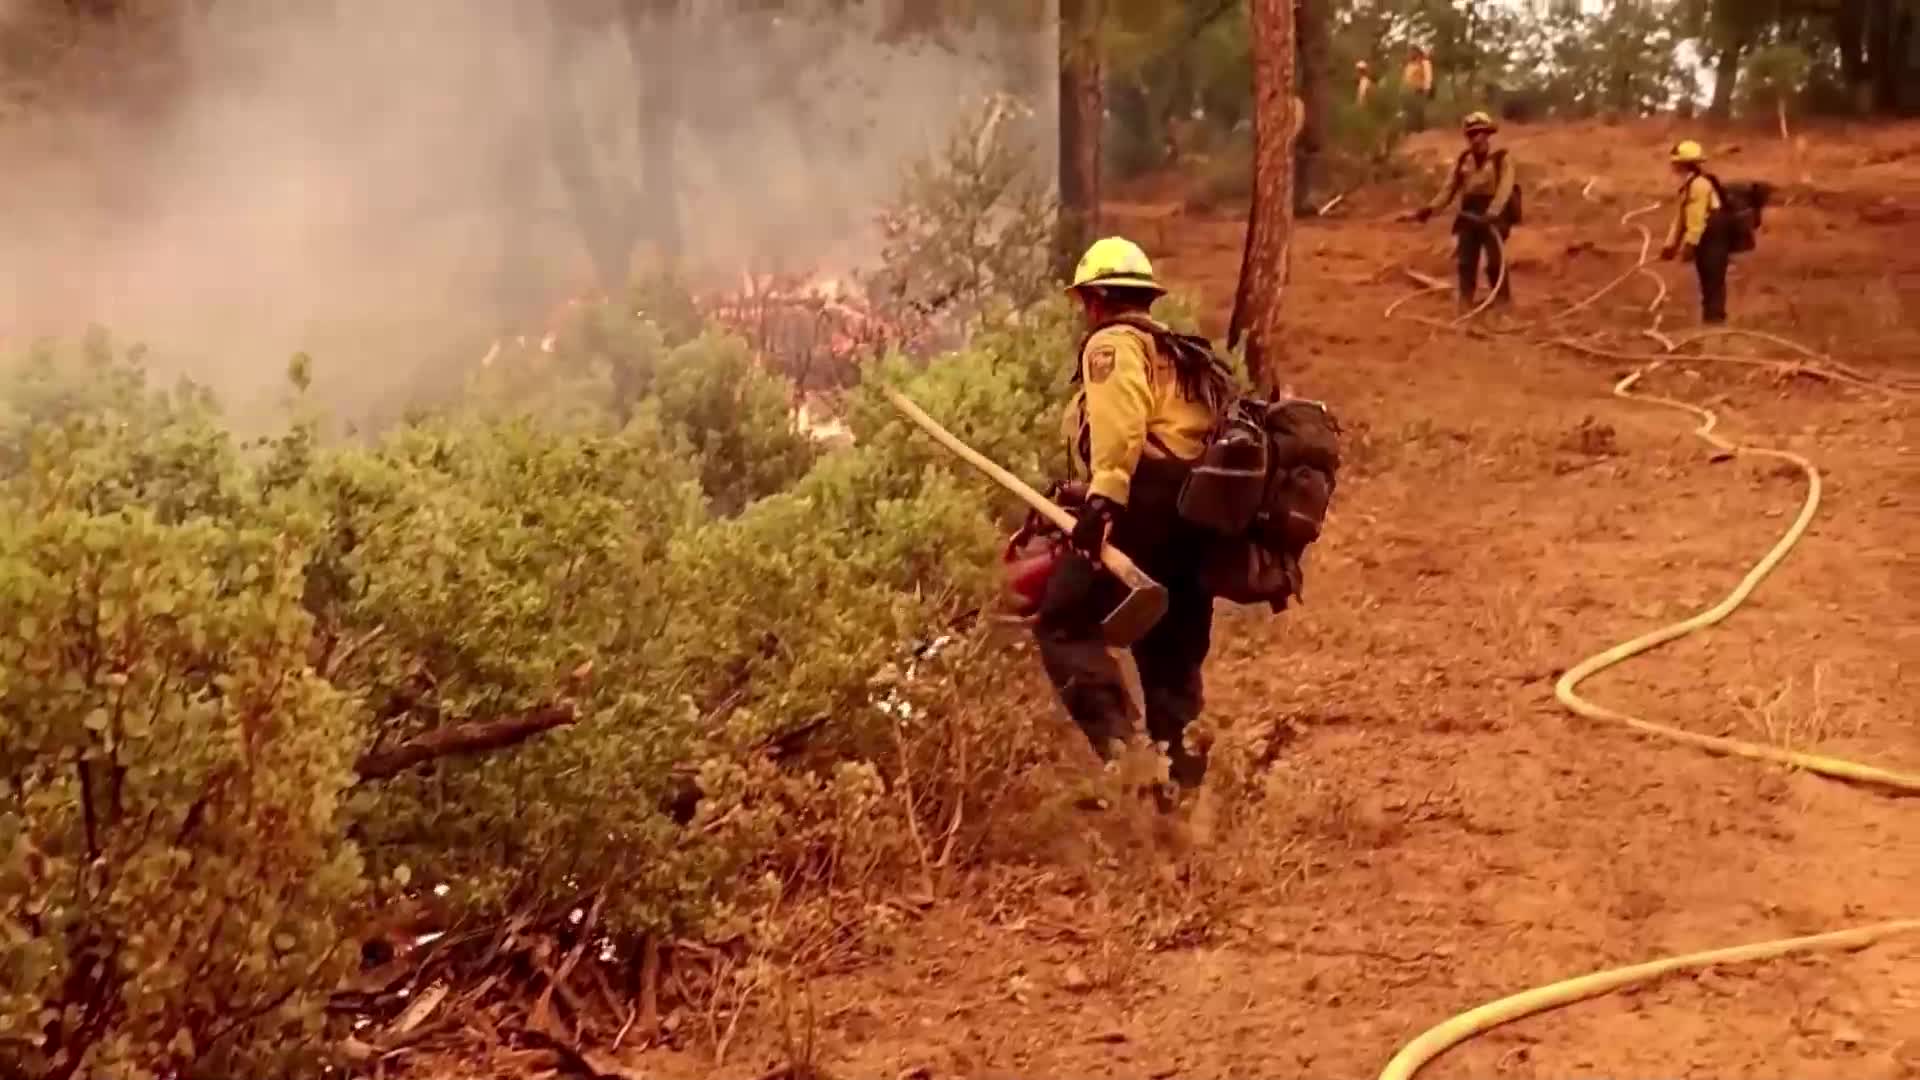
(1313, 27)
(653, 41)
(1276, 120)
(521, 170)
(604, 219)
(1884, 57)
(1850, 32)
(1726, 73)
(1081, 111)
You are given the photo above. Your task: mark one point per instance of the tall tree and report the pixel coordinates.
(1313, 26)
(612, 211)
(1276, 124)
(654, 42)
(1726, 71)
(1082, 114)
(1889, 32)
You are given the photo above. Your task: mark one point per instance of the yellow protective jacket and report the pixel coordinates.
(1129, 404)
(1491, 177)
(1698, 201)
(1417, 75)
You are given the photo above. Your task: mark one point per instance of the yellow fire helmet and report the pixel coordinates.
(1115, 261)
(1688, 152)
(1477, 122)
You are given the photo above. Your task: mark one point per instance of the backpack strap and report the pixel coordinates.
(1200, 373)
(1718, 191)
(1495, 156)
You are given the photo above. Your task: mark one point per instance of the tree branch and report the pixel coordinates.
(474, 737)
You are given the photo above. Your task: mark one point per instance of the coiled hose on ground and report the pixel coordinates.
(1444, 1036)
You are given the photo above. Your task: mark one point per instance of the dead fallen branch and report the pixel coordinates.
(1785, 368)
(474, 737)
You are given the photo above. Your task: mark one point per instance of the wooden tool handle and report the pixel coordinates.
(1112, 557)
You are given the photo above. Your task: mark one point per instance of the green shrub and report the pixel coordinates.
(206, 640)
(705, 390)
(176, 876)
(968, 233)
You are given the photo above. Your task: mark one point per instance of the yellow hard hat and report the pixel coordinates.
(1115, 261)
(1688, 152)
(1479, 121)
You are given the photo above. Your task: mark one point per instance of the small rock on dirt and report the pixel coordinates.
(1075, 979)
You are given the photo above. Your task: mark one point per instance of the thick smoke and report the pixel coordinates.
(374, 181)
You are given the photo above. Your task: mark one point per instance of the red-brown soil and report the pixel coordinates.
(1436, 831)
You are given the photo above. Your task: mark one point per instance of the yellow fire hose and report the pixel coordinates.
(1456, 1030)
(1567, 688)
(1439, 1039)
(1443, 1037)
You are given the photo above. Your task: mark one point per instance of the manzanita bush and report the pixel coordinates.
(215, 655)
(200, 638)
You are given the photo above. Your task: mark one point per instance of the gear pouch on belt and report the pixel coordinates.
(1223, 491)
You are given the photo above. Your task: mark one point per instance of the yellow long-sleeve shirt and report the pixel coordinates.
(1491, 176)
(1417, 75)
(1129, 401)
(1698, 201)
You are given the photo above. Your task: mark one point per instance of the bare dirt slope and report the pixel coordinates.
(1445, 833)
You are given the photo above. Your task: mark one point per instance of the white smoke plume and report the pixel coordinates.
(372, 181)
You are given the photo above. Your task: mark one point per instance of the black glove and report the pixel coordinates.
(1096, 519)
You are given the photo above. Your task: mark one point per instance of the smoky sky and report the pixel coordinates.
(371, 181)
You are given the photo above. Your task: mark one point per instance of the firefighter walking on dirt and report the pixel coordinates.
(1139, 417)
(1416, 85)
(1484, 180)
(1700, 233)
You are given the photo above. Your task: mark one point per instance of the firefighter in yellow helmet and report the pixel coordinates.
(1139, 416)
(1485, 181)
(1699, 233)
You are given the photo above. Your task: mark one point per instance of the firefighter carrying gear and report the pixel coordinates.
(1417, 76)
(1416, 80)
(1699, 199)
(1135, 425)
(1117, 262)
(1700, 233)
(1484, 179)
(1130, 406)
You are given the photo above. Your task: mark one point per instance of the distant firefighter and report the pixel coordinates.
(1489, 194)
(1417, 76)
(1710, 225)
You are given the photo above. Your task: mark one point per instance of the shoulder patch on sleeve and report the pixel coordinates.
(1100, 361)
